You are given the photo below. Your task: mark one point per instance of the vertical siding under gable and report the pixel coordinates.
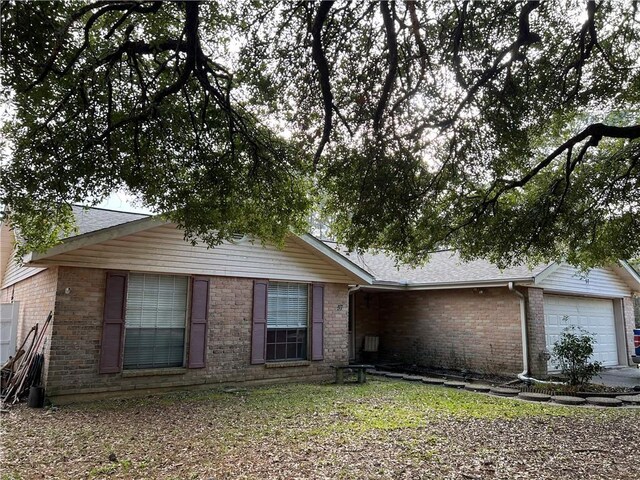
(163, 249)
(598, 282)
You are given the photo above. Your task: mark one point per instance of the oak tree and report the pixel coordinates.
(507, 130)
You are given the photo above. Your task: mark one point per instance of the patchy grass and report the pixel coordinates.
(382, 429)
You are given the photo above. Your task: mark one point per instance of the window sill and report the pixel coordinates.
(294, 363)
(153, 372)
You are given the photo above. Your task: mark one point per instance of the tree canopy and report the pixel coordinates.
(506, 130)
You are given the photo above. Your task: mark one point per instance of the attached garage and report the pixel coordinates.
(475, 317)
(595, 315)
(594, 302)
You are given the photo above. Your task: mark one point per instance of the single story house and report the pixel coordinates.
(136, 307)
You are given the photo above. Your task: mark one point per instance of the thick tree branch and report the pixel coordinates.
(594, 133)
(392, 45)
(415, 29)
(585, 48)
(458, 35)
(320, 60)
(191, 30)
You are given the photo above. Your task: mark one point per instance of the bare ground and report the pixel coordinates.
(384, 429)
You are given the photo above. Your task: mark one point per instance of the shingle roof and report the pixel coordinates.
(444, 267)
(93, 219)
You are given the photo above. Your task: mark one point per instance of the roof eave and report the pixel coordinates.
(385, 285)
(546, 272)
(630, 275)
(337, 259)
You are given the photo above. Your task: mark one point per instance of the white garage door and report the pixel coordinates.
(594, 315)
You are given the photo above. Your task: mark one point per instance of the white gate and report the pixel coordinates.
(8, 330)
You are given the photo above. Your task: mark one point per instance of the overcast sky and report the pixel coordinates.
(124, 202)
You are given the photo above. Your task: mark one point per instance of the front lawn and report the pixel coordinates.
(383, 429)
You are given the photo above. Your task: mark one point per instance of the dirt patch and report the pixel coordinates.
(379, 430)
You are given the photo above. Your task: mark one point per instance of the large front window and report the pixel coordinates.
(287, 319)
(155, 321)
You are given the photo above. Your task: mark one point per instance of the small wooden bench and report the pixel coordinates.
(359, 369)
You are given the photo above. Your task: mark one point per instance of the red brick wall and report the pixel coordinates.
(460, 329)
(36, 296)
(76, 346)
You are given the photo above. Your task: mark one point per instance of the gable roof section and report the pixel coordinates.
(342, 262)
(443, 270)
(94, 219)
(610, 282)
(97, 226)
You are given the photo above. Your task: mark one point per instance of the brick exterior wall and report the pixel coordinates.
(75, 350)
(535, 330)
(458, 329)
(36, 297)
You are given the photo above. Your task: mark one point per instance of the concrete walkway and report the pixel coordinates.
(619, 377)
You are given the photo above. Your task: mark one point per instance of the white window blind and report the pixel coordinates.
(288, 305)
(155, 321)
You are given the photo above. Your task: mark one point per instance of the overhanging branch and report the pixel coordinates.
(320, 60)
(392, 45)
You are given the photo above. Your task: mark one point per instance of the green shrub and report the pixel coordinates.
(571, 355)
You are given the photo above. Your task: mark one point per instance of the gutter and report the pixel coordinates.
(386, 285)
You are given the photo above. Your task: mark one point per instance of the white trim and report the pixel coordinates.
(635, 276)
(568, 293)
(549, 270)
(336, 258)
(447, 286)
(631, 270)
(92, 238)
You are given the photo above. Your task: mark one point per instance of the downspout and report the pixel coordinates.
(524, 376)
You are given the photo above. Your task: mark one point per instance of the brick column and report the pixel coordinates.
(629, 322)
(535, 331)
